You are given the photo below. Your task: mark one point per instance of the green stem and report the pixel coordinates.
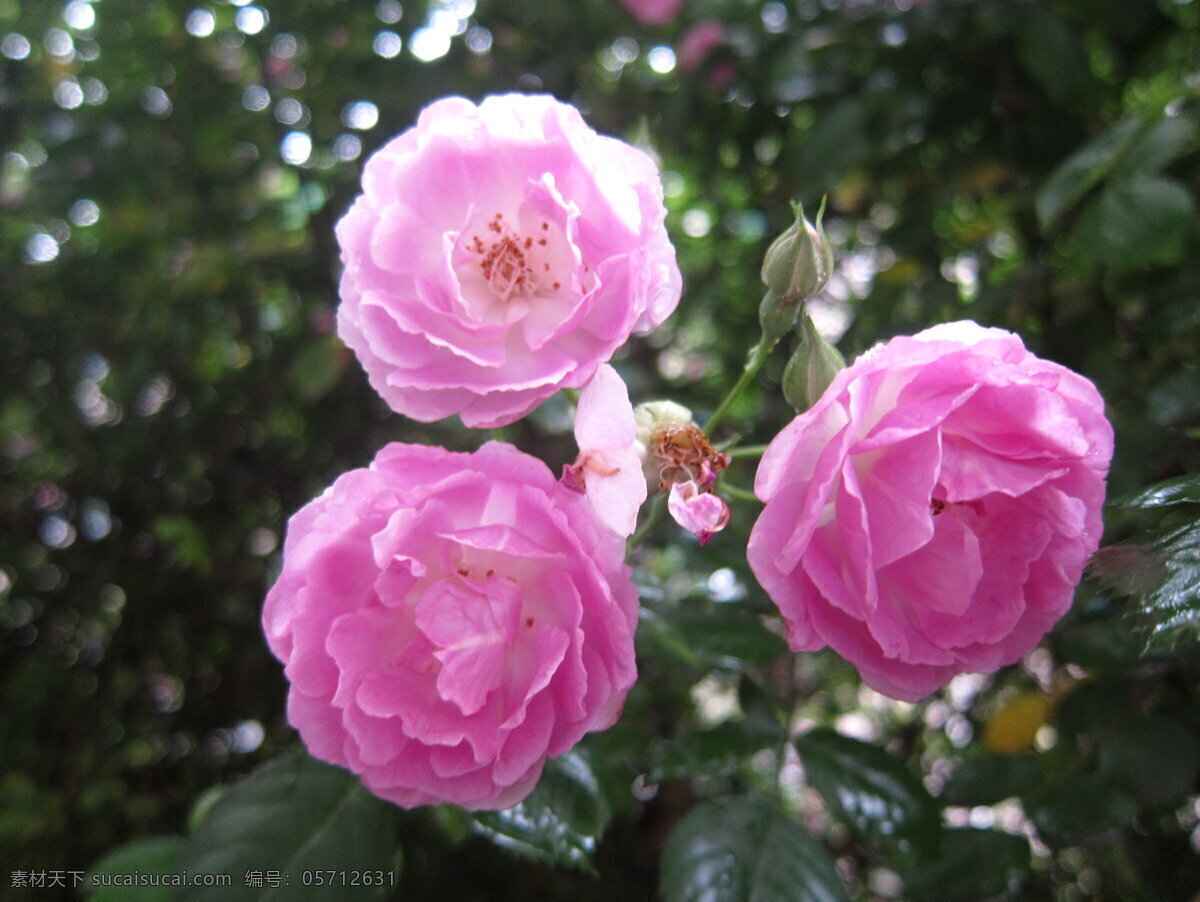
(738, 492)
(498, 433)
(789, 708)
(747, 451)
(758, 356)
(657, 506)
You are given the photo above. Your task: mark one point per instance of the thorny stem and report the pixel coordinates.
(757, 357)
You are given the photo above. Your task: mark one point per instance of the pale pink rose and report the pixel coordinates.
(653, 12)
(448, 621)
(933, 512)
(696, 510)
(499, 253)
(609, 468)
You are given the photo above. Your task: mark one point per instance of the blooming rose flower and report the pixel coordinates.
(698, 42)
(497, 254)
(448, 621)
(609, 468)
(653, 12)
(933, 512)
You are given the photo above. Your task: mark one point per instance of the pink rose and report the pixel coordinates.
(698, 42)
(448, 621)
(653, 12)
(933, 512)
(608, 470)
(497, 254)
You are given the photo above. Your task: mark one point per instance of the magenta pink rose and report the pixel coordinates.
(448, 621)
(499, 253)
(653, 12)
(933, 512)
(698, 42)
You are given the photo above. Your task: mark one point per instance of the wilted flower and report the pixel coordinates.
(681, 460)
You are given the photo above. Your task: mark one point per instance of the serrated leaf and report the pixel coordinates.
(1163, 576)
(744, 850)
(559, 822)
(973, 864)
(1082, 171)
(292, 815)
(155, 855)
(988, 779)
(1180, 490)
(876, 795)
(717, 751)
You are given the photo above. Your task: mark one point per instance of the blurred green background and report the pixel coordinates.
(172, 388)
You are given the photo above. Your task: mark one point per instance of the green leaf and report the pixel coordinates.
(720, 750)
(1144, 221)
(973, 864)
(1163, 576)
(1102, 642)
(744, 850)
(1181, 490)
(836, 143)
(294, 817)
(874, 793)
(1078, 805)
(726, 636)
(1052, 53)
(317, 367)
(155, 855)
(559, 822)
(988, 779)
(1082, 171)
(1156, 758)
(1158, 146)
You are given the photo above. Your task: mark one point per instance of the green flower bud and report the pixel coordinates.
(811, 369)
(797, 266)
(775, 317)
(654, 415)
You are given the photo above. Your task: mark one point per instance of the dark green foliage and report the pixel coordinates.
(973, 864)
(740, 849)
(561, 819)
(154, 855)
(171, 390)
(289, 831)
(871, 792)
